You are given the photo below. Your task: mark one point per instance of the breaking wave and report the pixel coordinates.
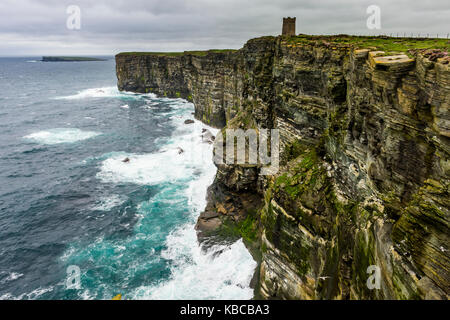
(61, 135)
(183, 169)
(105, 92)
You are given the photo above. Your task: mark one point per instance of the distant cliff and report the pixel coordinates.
(198, 76)
(365, 142)
(69, 59)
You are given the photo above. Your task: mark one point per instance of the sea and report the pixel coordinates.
(79, 221)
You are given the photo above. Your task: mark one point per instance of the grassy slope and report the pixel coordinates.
(381, 43)
(387, 44)
(174, 54)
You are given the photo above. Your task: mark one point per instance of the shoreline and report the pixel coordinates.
(196, 267)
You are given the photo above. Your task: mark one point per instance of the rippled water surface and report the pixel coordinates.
(67, 198)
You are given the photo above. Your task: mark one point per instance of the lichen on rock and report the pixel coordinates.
(364, 177)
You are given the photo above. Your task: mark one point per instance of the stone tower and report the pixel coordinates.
(288, 26)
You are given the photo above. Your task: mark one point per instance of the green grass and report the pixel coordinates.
(176, 54)
(381, 43)
(390, 45)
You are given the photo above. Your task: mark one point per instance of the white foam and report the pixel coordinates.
(12, 276)
(61, 135)
(29, 295)
(104, 92)
(109, 202)
(221, 272)
(147, 169)
(166, 165)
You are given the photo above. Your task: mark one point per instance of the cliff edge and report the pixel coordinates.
(363, 182)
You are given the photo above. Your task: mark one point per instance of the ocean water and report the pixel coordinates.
(68, 199)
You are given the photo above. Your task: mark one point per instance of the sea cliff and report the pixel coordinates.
(364, 176)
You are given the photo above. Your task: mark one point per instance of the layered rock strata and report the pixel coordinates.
(364, 177)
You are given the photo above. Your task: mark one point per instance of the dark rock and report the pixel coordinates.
(364, 172)
(208, 137)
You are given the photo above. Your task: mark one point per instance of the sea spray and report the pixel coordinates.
(61, 135)
(163, 244)
(105, 92)
(220, 272)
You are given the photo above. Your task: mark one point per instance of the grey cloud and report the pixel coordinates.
(37, 27)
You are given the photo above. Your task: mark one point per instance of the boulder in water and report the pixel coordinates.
(208, 137)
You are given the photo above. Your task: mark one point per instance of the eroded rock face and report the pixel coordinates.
(209, 81)
(364, 180)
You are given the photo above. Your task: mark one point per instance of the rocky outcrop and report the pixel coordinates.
(203, 78)
(364, 177)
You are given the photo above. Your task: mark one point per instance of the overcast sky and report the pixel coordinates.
(38, 27)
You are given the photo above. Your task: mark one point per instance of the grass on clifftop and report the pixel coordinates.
(390, 45)
(381, 43)
(175, 54)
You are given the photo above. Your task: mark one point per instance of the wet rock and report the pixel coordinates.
(207, 222)
(208, 137)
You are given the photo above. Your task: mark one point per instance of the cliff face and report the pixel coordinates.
(364, 177)
(203, 79)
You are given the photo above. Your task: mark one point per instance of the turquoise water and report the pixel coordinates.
(68, 199)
